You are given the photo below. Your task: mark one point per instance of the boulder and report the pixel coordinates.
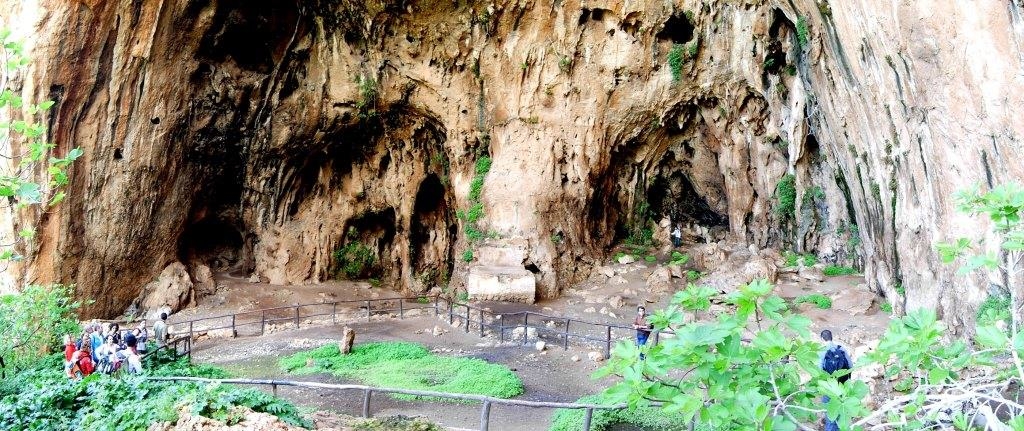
(595, 356)
(626, 259)
(501, 283)
(171, 290)
(812, 273)
(606, 271)
(617, 280)
(660, 280)
(203, 282)
(856, 301)
(708, 256)
(539, 346)
(348, 337)
(677, 271)
(575, 358)
(617, 301)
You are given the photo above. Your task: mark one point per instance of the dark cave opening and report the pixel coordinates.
(212, 242)
(673, 196)
(432, 233)
(677, 29)
(250, 33)
(364, 250)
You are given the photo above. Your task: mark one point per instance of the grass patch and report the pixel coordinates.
(648, 418)
(802, 32)
(405, 365)
(823, 302)
(692, 275)
(651, 258)
(886, 307)
(833, 270)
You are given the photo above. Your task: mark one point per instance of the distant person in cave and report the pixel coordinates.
(643, 328)
(677, 237)
(833, 359)
(142, 335)
(3, 368)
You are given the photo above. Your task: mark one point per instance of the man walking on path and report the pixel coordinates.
(833, 359)
(160, 330)
(643, 327)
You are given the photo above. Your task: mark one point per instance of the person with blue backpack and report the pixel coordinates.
(833, 359)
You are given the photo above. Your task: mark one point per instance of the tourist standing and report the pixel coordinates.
(832, 360)
(643, 327)
(160, 330)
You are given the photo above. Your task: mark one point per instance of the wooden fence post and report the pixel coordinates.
(234, 332)
(334, 314)
(481, 323)
(400, 307)
(587, 417)
(296, 317)
(263, 321)
(467, 318)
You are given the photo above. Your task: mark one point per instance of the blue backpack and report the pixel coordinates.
(835, 360)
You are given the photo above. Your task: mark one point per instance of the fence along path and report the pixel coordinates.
(514, 326)
(559, 328)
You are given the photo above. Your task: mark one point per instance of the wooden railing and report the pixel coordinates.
(368, 391)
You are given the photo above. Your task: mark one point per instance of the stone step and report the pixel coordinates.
(501, 283)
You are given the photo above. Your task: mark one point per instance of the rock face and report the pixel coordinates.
(348, 338)
(263, 138)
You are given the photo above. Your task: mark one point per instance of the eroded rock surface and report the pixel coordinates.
(262, 138)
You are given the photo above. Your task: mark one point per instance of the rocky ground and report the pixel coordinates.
(610, 295)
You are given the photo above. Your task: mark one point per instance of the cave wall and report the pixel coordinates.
(290, 122)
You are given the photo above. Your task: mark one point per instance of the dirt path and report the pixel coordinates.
(551, 376)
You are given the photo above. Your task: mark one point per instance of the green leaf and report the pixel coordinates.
(937, 375)
(27, 233)
(45, 106)
(991, 337)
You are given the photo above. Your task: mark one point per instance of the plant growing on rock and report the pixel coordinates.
(355, 259)
(802, 32)
(834, 270)
(24, 152)
(676, 59)
(785, 192)
(821, 301)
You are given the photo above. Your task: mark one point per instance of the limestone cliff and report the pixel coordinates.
(261, 136)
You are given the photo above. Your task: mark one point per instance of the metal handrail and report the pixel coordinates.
(368, 391)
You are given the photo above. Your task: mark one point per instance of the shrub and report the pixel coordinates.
(355, 260)
(833, 270)
(650, 258)
(995, 308)
(785, 192)
(802, 32)
(676, 59)
(33, 321)
(886, 307)
(679, 258)
(793, 259)
(406, 365)
(692, 276)
(483, 165)
(42, 397)
(467, 256)
(823, 302)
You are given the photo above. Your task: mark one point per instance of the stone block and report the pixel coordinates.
(501, 283)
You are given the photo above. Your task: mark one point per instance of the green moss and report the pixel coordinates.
(406, 365)
(833, 270)
(823, 302)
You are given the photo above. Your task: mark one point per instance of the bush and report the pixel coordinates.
(405, 365)
(42, 397)
(467, 256)
(995, 308)
(676, 59)
(802, 32)
(679, 258)
(823, 302)
(355, 260)
(833, 270)
(793, 259)
(785, 192)
(886, 307)
(33, 321)
(651, 258)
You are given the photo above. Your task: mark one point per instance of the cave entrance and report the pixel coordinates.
(674, 197)
(367, 244)
(677, 29)
(432, 233)
(211, 242)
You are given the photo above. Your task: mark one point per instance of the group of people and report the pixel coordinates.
(832, 360)
(105, 348)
